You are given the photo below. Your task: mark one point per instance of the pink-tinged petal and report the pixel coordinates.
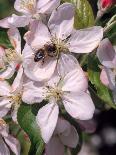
(18, 81)
(111, 78)
(67, 133)
(38, 35)
(5, 88)
(75, 81)
(54, 80)
(63, 127)
(3, 148)
(2, 54)
(14, 21)
(8, 72)
(88, 126)
(15, 39)
(13, 144)
(39, 71)
(79, 105)
(104, 77)
(47, 119)
(54, 147)
(66, 63)
(18, 21)
(85, 40)
(4, 22)
(27, 52)
(72, 139)
(47, 6)
(37, 92)
(25, 7)
(5, 106)
(62, 20)
(106, 54)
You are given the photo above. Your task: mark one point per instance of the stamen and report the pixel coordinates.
(11, 55)
(2, 122)
(27, 4)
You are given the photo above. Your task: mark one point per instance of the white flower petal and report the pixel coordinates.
(47, 6)
(39, 71)
(15, 39)
(104, 77)
(38, 35)
(106, 54)
(54, 147)
(79, 105)
(18, 21)
(26, 7)
(13, 143)
(66, 63)
(14, 21)
(47, 119)
(62, 20)
(8, 72)
(5, 106)
(5, 88)
(75, 81)
(36, 90)
(3, 148)
(27, 52)
(85, 40)
(17, 83)
(4, 22)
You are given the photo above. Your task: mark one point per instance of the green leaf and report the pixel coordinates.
(94, 76)
(4, 40)
(27, 121)
(84, 16)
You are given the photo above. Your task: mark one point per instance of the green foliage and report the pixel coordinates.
(83, 15)
(94, 76)
(4, 40)
(27, 121)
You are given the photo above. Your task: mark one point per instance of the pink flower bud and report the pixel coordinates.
(107, 3)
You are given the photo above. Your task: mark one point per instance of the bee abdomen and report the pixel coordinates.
(39, 55)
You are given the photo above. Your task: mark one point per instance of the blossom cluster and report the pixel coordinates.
(47, 69)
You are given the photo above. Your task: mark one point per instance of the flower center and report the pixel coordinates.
(27, 4)
(60, 45)
(15, 100)
(2, 122)
(54, 92)
(12, 55)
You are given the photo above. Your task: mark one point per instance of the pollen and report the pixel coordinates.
(2, 122)
(54, 92)
(11, 55)
(27, 4)
(60, 45)
(15, 100)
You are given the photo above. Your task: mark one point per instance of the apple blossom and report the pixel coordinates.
(59, 40)
(10, 96)
(9, 58)
(107, 56)
(69, 91)
(7, 141)
(31, 9)
(64, 135)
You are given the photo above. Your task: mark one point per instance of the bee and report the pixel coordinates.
(49, 50)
